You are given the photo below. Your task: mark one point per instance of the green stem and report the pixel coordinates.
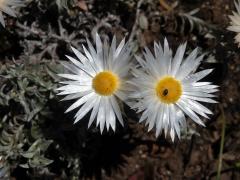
(222, 143)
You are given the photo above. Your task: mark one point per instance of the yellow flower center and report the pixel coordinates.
(105, 83)
(168, 90)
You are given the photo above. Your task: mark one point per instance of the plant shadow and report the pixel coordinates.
(96, 152)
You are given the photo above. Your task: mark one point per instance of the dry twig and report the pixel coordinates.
(135, 25)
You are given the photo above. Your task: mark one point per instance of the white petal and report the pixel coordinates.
(235, 19)
(180, 117)
(141, 94)
(119, 48)
(153, 116)
(121, 95)
(72, 85)
(166, 118)
(190, 113)
(237, 5)
(158, 51)
(79, 102)
(172, 134)
(123, 72)
(159, 121)
(144, 116)
(116, 109)
(99, 59)
(76, 83)
(107, 111)
(207, 89)
(187, 65)
(236, 15)
(167, 59)
(72, 68)
(90, 103)
(197, 76)
(149, 106)
(201, 84)
(79, 55)
(108, 62)
(148, 55)
(151, 63)
(71, 89)
(97, 63)
(174, 122)
(94, 111)
(101, 115)
(92, 50)
(103, 119)
(194, 108)
(71, 76)
(234, 28)
(140, 61)
(76, 95)
(197, 106)
(177, 60)
(87, 69)
(123, 59)
(1, 19)
(199, 94)
(8, 11)
(202, 99)
(160, 59)
(111, 118)
(143, 80)
(113, 45)
(110, 54)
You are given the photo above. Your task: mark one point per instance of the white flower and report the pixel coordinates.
(5, 7)
(167, 87)
(235, 22)
(97, 81)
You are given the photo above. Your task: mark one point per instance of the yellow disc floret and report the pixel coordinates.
(168, 90)
(105, 83)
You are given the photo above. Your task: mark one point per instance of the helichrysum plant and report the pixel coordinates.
(6, 7)
(235, 22)
(167, 87)
(97, 80)
(26, 89)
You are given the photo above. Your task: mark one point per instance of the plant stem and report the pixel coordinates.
(222, 143)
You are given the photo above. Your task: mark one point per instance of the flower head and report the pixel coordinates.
(167, 87)
(5, 7)
(97, 81)
(235, 22)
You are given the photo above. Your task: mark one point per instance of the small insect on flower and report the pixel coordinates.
(167, 87)
(98, 81)
(235, 22)
(5, 7)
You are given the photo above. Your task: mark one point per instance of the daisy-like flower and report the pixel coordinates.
(235, 22)
(5, 6)
(98, 81)
(167, 88)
